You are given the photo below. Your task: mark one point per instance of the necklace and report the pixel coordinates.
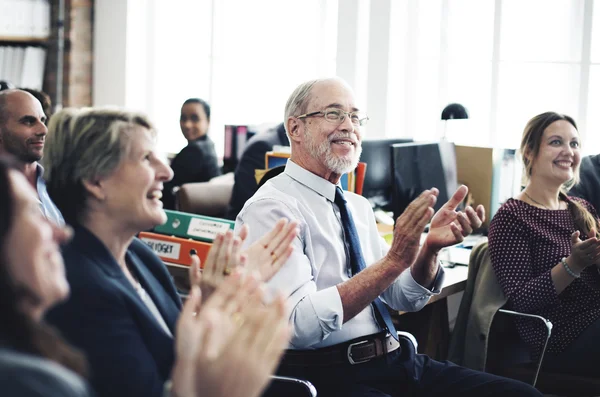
(537, 202)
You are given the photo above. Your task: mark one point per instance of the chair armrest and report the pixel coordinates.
(548, 325)
(289, 387)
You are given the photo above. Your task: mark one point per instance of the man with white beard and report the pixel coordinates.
(341, 270)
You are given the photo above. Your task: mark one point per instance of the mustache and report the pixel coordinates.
(349, 136)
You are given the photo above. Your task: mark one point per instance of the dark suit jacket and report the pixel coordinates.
(253, 158)
(26, 375)
(197, 162)
(129, 353)
(589, 186)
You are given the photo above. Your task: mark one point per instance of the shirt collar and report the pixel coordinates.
(39, 170)
(319, 185)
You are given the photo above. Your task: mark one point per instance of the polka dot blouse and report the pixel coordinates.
(525, 243)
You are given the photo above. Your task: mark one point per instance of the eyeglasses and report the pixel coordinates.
(337, 116)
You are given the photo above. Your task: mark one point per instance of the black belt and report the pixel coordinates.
(356, 351)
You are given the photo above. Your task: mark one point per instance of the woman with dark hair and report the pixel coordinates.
(34, 360)
(197, 162)
(545, 249)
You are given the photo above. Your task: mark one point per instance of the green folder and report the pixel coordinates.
(197, 227)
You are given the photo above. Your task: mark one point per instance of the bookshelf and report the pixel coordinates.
(24, 36)
(23, 40)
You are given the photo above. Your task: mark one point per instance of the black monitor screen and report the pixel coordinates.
(377, 153)
(420, 166)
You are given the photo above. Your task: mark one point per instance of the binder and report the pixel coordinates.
(197, 227)
(175, 249)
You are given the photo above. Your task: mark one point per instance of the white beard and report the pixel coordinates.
(334, 163)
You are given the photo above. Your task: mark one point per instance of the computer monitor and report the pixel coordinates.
(419, 166)
(377, 153)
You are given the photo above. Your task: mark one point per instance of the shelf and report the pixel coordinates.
(23, 39)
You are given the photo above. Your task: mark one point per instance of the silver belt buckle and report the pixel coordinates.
(349, 353)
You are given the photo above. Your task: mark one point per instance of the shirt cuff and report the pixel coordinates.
(328, 307)
(415, 291)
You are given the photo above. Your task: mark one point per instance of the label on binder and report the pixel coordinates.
(164, 249)
(206, 229)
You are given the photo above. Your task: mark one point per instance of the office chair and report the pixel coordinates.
(485, 337)
(206, 198)
(289, 387)
(273, 172)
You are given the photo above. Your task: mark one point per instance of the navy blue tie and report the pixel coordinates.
(357, 261)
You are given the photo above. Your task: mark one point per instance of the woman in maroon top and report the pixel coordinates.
(545, 249)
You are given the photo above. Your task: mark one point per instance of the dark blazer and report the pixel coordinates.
(129, 353)
(253, 158)
(589, 186)
(197, 162)
(26, 375)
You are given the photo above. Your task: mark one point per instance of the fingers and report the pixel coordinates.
(474, 218)
(592, 233)
(457, 197)
(224, 253)
(284, 238)
(265, 326)
(419, 211)
(481, 212)
(280, 246)
(209, 264)
(575, 237)
(268, 237)
(465, 223)
(194, 271)
(192, 305)
(459, 234)
(244, 232)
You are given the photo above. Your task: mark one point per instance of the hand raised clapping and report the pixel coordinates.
(232, 332)
(265, 257)
(584, 253)
(449, 226)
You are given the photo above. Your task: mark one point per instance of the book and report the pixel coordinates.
(176, 249)
(194, 226)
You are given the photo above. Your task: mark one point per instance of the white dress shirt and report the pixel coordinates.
(47, 206)
(319, 263)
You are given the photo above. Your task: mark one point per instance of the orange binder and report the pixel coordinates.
(361, 169)
(175, 249)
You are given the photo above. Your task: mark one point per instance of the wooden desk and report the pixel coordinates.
(430, 324)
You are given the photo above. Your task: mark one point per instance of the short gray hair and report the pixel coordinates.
(297, 103)
(85, 144)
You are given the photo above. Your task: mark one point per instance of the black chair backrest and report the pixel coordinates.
(505, 346)
(273, 172)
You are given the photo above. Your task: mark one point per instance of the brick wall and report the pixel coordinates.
(78, 53)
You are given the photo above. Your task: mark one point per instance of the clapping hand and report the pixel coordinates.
(410, 225)
(449, 227)
(584, 253)
(271, 251)
(223, 258)
(252, 354)
(232, 332)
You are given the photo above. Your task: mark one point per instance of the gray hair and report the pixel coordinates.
(297, 103)
(85, 144)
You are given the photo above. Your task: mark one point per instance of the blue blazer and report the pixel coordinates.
(128, 351)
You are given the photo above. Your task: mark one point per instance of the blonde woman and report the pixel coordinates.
(104, 174)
